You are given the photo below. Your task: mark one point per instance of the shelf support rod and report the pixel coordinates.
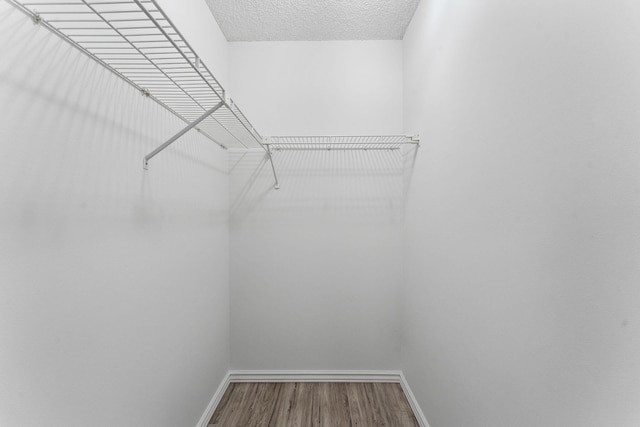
(179, 134)
(273, 168)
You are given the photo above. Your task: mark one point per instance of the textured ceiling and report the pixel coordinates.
(258, 20)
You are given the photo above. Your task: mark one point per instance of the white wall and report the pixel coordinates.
(319, 88)
(315, 266)
(523, 222)
(114, 281)
(195, 22)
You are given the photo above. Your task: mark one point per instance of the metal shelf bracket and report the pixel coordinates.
(171, 140)
(273, 168)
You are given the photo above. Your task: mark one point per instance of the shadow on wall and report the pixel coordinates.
(354, 186)
(75, 136)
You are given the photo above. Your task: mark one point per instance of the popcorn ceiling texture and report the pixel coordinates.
(261, 20)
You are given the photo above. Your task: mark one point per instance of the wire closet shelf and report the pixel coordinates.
(315, 143)
(137, 41)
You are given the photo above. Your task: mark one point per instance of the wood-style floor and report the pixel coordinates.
(313, 404)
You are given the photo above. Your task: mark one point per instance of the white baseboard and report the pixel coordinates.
(238, 376)
(215, 400)
(314, 376)
(417, 411)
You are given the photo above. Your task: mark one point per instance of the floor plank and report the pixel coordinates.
(361, 405)
(265, 402)
(333, 397)
(286, 403)
(313, 405)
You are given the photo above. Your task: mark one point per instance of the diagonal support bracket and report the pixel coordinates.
(273, 168)
(171, 140)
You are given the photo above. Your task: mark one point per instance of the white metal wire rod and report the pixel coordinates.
(179, 134)
(251, 130)
(282, 147)
(404, 137)
(273, 168)
(340, 142)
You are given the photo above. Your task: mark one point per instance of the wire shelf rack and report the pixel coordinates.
(137, 41)
(314, 143)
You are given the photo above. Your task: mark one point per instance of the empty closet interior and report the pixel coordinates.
(435, 193)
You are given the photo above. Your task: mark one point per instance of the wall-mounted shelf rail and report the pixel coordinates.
(386, 142)
(336, 143)
(137, 41)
